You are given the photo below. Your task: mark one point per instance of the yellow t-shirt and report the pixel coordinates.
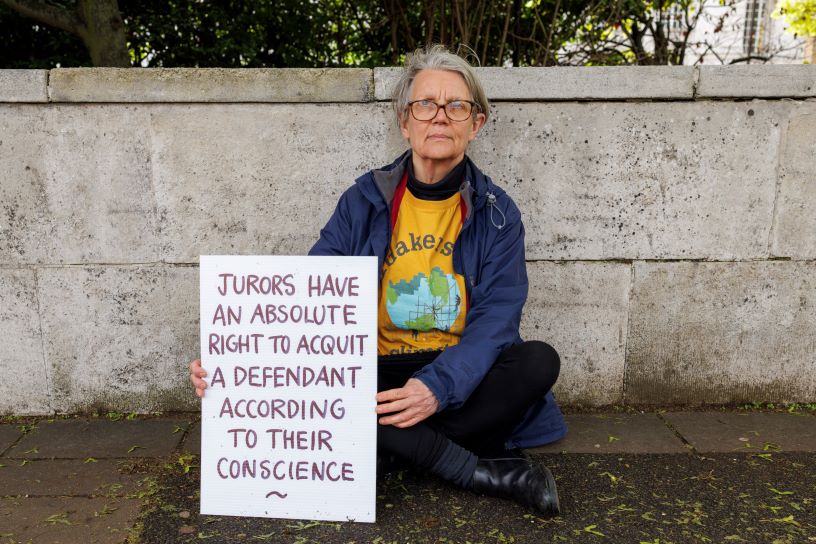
(422, 300)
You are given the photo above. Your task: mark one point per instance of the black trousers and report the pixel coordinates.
(519, 378)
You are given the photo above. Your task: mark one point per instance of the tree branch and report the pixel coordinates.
(551, 30)
(500, 60)
(47, 14)
(750, 57)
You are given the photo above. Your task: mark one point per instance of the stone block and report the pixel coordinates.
(795, 224)
(569, 82)
(581, 310)
(384, 81)
(638, 181)
(722, 333)
(75, 185)
(192, 440)
(757, 81)
(67, 520)
(210, 85)
(62, 477)
(120, 337)
(100, 439)
(22, 364)
(260, 179)
(616, 433)
(711, 432)
(8, 436)
(23, 85)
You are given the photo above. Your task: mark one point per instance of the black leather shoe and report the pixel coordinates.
(519, 480)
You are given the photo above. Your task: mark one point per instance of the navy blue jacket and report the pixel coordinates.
(489, 254)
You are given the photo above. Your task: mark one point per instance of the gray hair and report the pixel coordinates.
(437, 57)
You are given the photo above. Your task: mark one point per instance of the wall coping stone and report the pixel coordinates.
(23, 85)
(210, 85)
(338, 85)
(570, 82)
(758, 81)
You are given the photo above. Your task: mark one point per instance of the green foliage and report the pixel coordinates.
(368, 33)
(799, 14)
(305, 33)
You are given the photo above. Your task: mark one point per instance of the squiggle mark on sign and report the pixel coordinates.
(281, 495)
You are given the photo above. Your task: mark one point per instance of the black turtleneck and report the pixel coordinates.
(444, 188)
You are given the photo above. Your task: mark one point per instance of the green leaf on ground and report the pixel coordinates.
(591, 529)
(61, 518)
(781, 492)
(614, 479)
(106, 510)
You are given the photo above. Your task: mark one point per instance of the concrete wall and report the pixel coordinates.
(670, 215)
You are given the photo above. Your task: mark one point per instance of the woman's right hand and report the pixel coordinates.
(196, 376)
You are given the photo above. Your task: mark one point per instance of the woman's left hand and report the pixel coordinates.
(408, 405)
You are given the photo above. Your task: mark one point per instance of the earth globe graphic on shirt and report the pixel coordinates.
(424, 302)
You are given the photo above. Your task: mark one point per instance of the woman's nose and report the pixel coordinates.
(440, 115)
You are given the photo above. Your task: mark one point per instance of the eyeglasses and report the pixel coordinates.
(456, 110)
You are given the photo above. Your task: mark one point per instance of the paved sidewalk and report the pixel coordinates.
(85, 481)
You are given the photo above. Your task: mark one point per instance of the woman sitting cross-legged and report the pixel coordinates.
(459, 390)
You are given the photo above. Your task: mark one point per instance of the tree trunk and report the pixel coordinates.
(104, 33)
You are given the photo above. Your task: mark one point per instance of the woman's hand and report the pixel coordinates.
(409, 404)
(196, 375)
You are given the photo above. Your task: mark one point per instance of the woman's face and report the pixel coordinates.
(440, 139)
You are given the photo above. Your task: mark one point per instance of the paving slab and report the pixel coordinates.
(192, 441)
(8, 434)
(616, 433)
(745, 433)
(80, 439)
(65, 477)
(68, 520)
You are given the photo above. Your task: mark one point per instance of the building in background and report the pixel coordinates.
(742, 31)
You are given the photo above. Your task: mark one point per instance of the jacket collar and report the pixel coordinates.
(380, 185)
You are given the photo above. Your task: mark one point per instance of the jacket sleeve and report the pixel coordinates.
(492, 322)
(335, 237)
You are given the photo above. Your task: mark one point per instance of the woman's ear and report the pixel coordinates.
(478, 122)
(403, 123)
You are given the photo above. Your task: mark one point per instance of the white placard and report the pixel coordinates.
(288, 427)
